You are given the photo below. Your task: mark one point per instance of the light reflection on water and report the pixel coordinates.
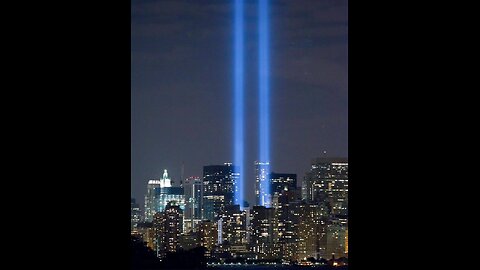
(270, 267)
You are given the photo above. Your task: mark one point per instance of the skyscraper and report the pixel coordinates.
(234, 224)
(327, 182)
(263, 236)
(189, 240)
(262, 184)
(218, 189)
(164, 195)
(193, 188)
(135, 214)
(146, 232)
(208, 234)
(159, 194)
(150, 199)
(311, 230)
(280, 182)
(336, 238)
(287, 214)
(168, 227)
(158, 225)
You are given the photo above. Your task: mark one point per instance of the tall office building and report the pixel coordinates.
(346, 241)
(165, 195)
(159, 194)
(189, 240)
(263, 235)
(151, 196)
(280, 182)
(234, 225)
(146, 232)
(262, 184)
(168, 227)
(311, 231)
(135, 215)
(158, 225)
(208, 235)
(193, 188)
(150, 199)
(287, 214)
(218, 189)
(327, 182)
(336, 238)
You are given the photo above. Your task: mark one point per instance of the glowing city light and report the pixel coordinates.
(264, 89)
(239, 99)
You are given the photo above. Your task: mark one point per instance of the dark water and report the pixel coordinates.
(272, 267)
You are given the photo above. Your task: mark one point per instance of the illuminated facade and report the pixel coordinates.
(234, 225)
(327, 182)
(346, 241)
(165, 195)
(168, 228)
(280, 182)
(337, 238)
(287, 215)
(189, 240)
(193, 188)
(135, 215)
(326, 185)
(158, 226)
(218, 189)
(208, 235)
(264, 234)
(159, 194)
(151, 199)
(146, 232)
(311, 231)
(262, 184)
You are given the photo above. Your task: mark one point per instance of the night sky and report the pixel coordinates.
(182, 86)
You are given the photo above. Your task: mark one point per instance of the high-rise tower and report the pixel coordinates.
(327, 182)
(193, 188)
(262, 184)
(218, 189)
(159, 193)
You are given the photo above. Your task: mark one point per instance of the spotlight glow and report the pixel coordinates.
(239, 99)
(264, 89)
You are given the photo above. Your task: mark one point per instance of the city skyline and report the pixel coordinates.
(182, 80)
(300, 225)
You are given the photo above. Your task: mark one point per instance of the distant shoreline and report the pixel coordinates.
(262, 267)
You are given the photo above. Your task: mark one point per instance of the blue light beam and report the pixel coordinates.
(264, 86)
(239, 99)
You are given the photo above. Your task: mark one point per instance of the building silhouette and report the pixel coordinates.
(262, 184)
(263, 235)
(193, 188)
(287, 215)
(311, 230)
(208, 235)
(336, 238)
(294, 225)
(327, 182)
(168, 226)
(159, 194)
(135, 215)
(218, 189)
(234, 227)
(280, 182)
